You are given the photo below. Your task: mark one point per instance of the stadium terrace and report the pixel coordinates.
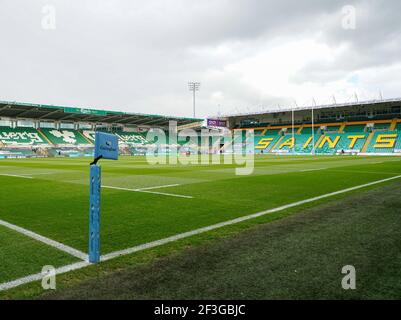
(363, 128)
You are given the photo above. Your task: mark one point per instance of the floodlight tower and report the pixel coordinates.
(194, 86)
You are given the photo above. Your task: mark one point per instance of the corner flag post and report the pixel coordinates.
(94, 213)
(106, 147)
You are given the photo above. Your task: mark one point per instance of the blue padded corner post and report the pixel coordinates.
(94, 214)
(106, 147)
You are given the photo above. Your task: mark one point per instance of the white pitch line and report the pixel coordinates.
(318, 169)
(39, 276)
(167, 194)
(112, 255)
(15, 176)
(74, 252)
(363, 171)
(40, 173)
(158, 187)
(146, 191)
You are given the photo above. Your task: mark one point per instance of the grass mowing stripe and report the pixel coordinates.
(74, 252)
(156, 243)
(363, 171)
(159, 187)
(80, 265)
(267, 261)
(39, 276)
(15, 176)
(146, 191)
(318, 169)
(167, 194)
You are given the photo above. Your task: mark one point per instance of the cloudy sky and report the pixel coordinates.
(249, 55)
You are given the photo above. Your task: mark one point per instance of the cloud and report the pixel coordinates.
(138, 56)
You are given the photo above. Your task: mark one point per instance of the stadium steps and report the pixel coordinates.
(85, 138)
(319, 140)
(368, 141)
(276, 144)
(44, 137)
(393, 125)
(258, 132)
(398, 143)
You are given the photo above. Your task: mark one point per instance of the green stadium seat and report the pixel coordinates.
(21, 136)
(354, 128)
(346, 142)
(382, 126)
(308, 130)
(388, 137)
(64, 136)
(133, 137)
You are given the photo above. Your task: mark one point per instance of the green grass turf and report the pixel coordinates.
(55, 202)
(300, 257)
(20, 255)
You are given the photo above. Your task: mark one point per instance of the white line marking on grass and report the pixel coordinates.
(40, 173)
(235, 221)
(167, 194)
(363, 171)
(39, 276)
(146, 191)
(50, 242)
(307, 170)
(159, 187)
(112, 255)
(15, 176)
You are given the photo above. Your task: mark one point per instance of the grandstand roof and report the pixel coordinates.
(44, 112)
(384, 102)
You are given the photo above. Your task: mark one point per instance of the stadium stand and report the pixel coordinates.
(354, 139)
(88, 135)
(56, 136)
(352, 130)
(65, 137)
(338, 142)
(132, 138)
(384, 142)
(265, 143)
(20, 136)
